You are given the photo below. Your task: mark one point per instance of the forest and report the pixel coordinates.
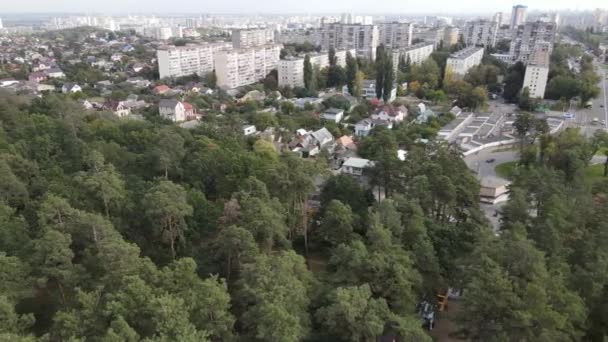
(138, 230)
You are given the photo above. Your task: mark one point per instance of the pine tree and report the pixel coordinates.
(308, 74)
(352, 68)
(379, 71)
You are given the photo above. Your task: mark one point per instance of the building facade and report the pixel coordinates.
(240, 67)
(177, 61)
(537, 72)
(364, 39)
(242, 39)
(395, 35)
(417, 54)
(481, 33)
(530, 37)
(450, 36)
(518, 16)
(459, 63)
(291, 70)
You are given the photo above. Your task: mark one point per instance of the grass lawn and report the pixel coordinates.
(601, 151)
(595, 172)
(506, 170)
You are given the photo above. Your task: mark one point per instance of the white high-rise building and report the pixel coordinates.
(537, 71)
(1, 27)
(416, 53)
(364, 39)
(518, 16)
(395, 35)
(240, 67)
(460, 62)
(529, 37)
(177, 61)
(481, 33)
(498, 18)
(291, 70)
(158, 33)
(242, 39)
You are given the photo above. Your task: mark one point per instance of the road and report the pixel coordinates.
(599, 110)
(478, 161)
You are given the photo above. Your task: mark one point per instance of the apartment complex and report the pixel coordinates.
(416, 53)
(291, 70)
(459, 63)
(518, 16)
(242, 39)
(537, 71)
(433, 35)
(176, 61)
(395, 35)
(240, 67)
(530, 37)
(481, 33)
(364, 39)
(450, 36)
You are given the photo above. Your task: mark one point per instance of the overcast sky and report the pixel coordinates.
(288, 6)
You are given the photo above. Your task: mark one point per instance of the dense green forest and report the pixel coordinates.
(128, 230)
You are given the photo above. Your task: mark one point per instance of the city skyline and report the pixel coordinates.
(282, 7)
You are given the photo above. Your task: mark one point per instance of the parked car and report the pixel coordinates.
(491, 160)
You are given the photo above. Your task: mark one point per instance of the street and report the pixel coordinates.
(599, 110)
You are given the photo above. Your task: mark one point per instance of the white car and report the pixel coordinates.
(569, 116)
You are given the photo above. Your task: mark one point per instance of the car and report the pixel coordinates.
(601, 106)
(491, 160)
(569, 116)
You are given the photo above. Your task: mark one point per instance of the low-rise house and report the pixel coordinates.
(45, 87)
(249, 130)
(302, 102)
(364, 127)
(7, 82)
(424, 114)
(55, 73)
(333, 115)
(137, 67)
(161, 89)
(309, 144)
(254, 95)
(118, 108)
(172, 110)
(493, 190)
(355, 166)
(368, 91)
(70, 88)
(86, 104)
(390, 113)
(37, 77)
(139, 82)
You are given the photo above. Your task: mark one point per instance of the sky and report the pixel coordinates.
(289, 6)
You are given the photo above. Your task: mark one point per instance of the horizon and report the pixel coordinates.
(278, 7)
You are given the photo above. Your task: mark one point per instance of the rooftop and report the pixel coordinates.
(466, 52)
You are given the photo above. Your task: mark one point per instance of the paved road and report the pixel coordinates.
(599, 110)
(478, 161)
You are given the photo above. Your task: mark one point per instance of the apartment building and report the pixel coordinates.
(450, 36)
(247, 38)
(459, 63)
(518, 16)
(177, 61)
(530, 37)
(416, 53)
(159, 33)
(432, 35)
(395, 35)
(364, 39)
(291, 70)
(537, 71)
(240, 67)
(480, 33)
